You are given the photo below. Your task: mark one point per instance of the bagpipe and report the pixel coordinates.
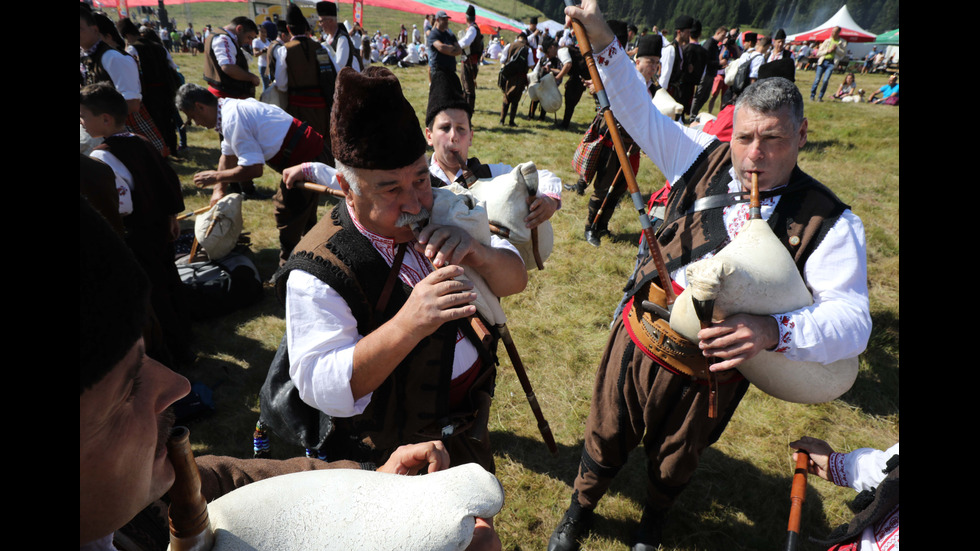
(330, 510)
(482, 207)
(753, 274)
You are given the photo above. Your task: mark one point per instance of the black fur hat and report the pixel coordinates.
(649, 45)
(445, 92)
(296, 20)
(326, 8)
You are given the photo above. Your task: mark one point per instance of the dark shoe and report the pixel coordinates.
(580, 187)
(573, 526)
(647, 537)
(592, 238)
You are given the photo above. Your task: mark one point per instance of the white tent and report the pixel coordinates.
(850, 31)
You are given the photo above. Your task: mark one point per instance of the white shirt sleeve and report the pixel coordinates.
(469, 37)
(756, 63)
(322, 174)
(238, 141)
(343, 54)
(124, 179)
(282, 80)
(225, 50)
(564, 56)
(838, 323)
(666, 64)
(125, 74)
(862, 469)
(320, 334)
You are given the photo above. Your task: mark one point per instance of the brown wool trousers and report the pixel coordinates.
(635, 400)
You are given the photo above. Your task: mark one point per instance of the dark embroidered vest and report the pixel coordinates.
(217, 78)
(154, 70)
(804, 214)
(156, 195)
(677, 68)
(478, 169)
(475, 49)
(94, 71)
(413, 397)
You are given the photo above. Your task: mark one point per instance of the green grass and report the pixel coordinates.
(739, 499)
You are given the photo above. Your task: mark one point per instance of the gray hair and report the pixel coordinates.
(190, 93)
(770, 95)
(350, 176)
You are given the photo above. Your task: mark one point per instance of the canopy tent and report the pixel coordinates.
(849, 30)
(888, 38)
(553, 27)
(488, 21)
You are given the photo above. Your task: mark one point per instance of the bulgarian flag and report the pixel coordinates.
(488, 21)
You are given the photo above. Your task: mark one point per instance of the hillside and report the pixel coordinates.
(794, 16)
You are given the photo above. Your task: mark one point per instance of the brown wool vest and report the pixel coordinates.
(413, 397)
(217, 78)
(301, 66)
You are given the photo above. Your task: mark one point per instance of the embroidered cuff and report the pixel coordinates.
(786, 326)
(308, 172)
(835, 469)
(605, 57)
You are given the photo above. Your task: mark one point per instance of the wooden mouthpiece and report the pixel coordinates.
(755, 204)
(190, 527)
(467, 177)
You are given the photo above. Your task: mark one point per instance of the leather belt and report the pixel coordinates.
(652, 333)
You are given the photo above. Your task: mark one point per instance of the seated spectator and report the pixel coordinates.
(395, 54)
(150, 197)
(888, 92)
(846, 88)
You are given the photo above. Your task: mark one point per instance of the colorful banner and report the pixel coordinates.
(359, 12)
(488, 21)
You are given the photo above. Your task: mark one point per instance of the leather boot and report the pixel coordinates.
(575, 524)
(648, 536)
(592, 238)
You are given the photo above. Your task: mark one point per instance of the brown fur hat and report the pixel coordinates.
(372, 125)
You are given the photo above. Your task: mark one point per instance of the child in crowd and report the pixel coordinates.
(150, 198)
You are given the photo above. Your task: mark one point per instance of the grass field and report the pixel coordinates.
(739, 498)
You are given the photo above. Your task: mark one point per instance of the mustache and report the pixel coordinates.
(406, 219)
(165, 425)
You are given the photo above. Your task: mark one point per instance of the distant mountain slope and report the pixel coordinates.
(794, 16)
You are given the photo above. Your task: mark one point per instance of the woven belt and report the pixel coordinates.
(664, 345)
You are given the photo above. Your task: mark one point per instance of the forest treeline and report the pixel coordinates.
(876, 16)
